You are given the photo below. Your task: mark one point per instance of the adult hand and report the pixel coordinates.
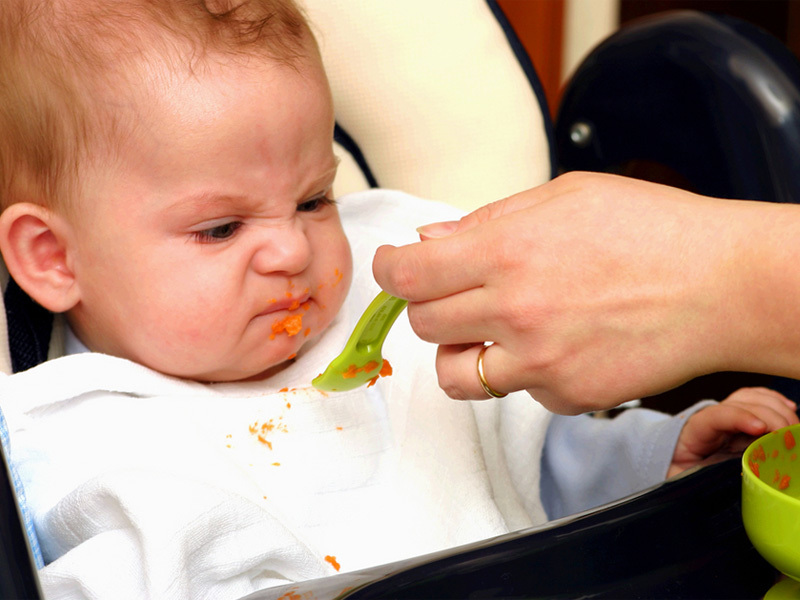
(597, 289)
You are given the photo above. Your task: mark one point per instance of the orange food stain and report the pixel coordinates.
(333, 561)
(784, 482)
(284, 389)
(337, 277)
(307, 332)
(339, 428)
(292, 356)
(350, 372)
(386, 369)
(775, 453)
(759, 454)
(288, 405)
(788, 439)
(754, 468)
(353, 370)
(261, 431)
(295, 304)
(276, 464)
(292, 325)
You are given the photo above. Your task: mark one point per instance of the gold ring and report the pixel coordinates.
(485, 384)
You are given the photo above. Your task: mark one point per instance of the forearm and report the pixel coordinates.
(759, 327)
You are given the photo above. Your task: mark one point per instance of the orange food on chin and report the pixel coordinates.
(292, 325)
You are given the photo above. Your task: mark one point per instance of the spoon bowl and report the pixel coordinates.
(361, 360)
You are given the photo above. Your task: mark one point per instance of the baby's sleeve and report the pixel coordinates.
(19, 491)
(588, 462)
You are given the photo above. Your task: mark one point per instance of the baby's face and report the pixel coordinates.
(211, 250)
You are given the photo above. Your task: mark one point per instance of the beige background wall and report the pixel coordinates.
(586, 23)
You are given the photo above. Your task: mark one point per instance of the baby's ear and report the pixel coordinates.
(33, 241)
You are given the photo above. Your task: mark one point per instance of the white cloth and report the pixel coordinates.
(142, 485)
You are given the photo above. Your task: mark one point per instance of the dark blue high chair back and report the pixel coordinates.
(712, 98)
(684, 538)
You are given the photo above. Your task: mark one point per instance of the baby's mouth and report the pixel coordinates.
(289, 302)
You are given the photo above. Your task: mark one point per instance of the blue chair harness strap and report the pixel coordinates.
(29, 328)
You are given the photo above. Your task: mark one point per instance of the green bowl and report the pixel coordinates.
(771, 498)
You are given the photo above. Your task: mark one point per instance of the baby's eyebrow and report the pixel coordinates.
(205, 202)
(326, 177)
(209, 201)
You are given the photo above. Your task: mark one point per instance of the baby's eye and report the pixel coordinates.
(315, 204)
(218, 233)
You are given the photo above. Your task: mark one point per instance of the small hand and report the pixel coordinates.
(730, 425)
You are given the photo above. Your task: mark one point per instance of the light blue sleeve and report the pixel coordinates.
(588, 461)
(19, 491)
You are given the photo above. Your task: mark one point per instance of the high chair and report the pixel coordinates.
(439, 99)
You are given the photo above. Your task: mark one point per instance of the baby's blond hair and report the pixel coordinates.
(53, 53)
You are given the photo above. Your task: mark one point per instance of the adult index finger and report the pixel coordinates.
(428, 270)
(459, 255)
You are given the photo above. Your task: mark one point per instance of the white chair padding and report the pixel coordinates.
(434, 96)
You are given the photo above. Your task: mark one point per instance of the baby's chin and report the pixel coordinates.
(268, 373)
(269, 368)
(231, 376)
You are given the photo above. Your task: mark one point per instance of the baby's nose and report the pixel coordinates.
(282, 249)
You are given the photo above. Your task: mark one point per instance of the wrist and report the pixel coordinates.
(761, 328)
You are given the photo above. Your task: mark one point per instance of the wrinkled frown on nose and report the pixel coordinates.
(281, 249)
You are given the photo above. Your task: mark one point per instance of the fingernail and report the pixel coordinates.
(433, 231)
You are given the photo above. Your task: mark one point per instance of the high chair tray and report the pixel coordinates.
(682, 539)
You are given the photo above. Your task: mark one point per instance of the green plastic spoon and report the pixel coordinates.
(361, 359)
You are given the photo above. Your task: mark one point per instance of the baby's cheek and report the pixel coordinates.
(331, 295)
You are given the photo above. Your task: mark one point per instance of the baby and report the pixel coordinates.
(166, 173)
